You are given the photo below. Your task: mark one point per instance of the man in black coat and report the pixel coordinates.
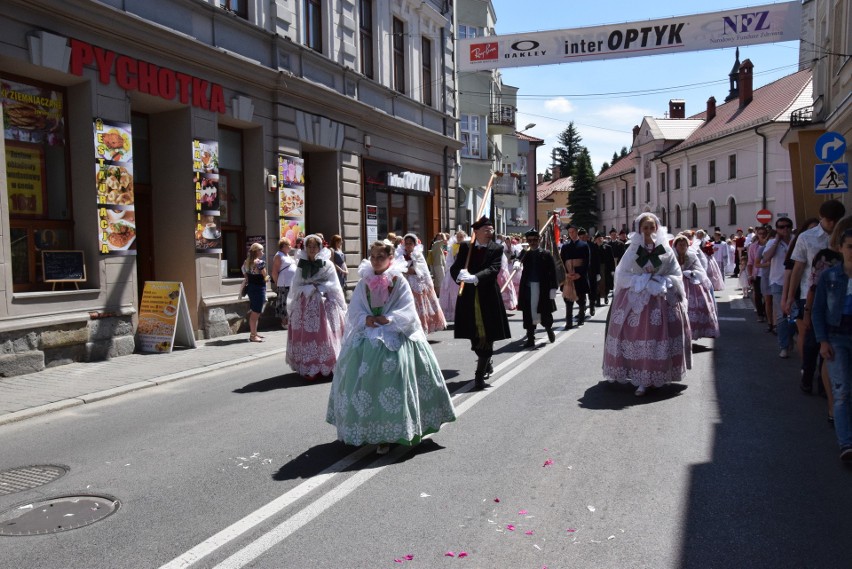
(575, 257)
(538, 288)
(594, 271)
(480, 313)
(607, 269)
(617, 245)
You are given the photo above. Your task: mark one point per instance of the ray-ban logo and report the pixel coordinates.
(483, 51)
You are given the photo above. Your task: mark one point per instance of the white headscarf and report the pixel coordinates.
(639, 280)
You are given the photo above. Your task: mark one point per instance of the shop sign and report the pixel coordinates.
(163, 318)
(113, 144)
(410, 181)
(137, 75)
(291, 197)
(25, 178)
(205, 178)
(372, 224)
(32, 114)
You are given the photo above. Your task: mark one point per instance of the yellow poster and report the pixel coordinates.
(25, 176)
(158, 314)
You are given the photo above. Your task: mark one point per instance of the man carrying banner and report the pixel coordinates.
(480, 313)
(537, 293)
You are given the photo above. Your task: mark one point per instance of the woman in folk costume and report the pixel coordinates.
(417, 274)
(388, 386)
(714, 273)
(507, 291)
(648, 340)
(317, 310)
(437, 260)
(703, 318)
(449, 287)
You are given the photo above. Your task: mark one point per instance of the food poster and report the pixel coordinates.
(114, 174)
(25, 175)
(32, 114)
(291, 197)
(205, 166)
(163, 311)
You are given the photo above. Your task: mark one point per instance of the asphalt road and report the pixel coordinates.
(548, 467)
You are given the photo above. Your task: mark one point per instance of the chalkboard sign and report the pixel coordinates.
(63, 266)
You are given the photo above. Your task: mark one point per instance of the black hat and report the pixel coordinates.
(599, 234)
(613, 230)
(533, 232)
(581, 231)
(482, 222)
(623, 232)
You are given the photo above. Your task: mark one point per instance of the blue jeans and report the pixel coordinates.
(782, 324)
(840, 376)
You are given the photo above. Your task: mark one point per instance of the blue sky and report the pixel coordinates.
(588, 92)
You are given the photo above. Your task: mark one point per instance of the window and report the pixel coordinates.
(470, 31)
(663, 219)
(677, 179)
(366, 35)
(632, 195)
(693, 175)
(648, 192)
(694, 215)
(398, 55)
(624, 197)
(470, 135)
(677, 216)
(426, 55)
(603, 202)
(712, 208)
(711, 172)
(37, 174)
(313, 24)
(732, 211)
(612, 200)
(238, 7)
(732, 166)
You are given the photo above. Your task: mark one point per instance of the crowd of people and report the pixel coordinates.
(387, 386)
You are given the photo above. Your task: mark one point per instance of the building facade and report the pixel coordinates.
(161, 152)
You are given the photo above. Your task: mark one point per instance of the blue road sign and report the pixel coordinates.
(830, 147)
(831, 178)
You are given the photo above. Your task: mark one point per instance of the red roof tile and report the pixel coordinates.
(528, 138)
(545, 189)
(623, 166)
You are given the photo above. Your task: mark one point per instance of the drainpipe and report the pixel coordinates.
(668, 190)
(445, 186)
(763, 189)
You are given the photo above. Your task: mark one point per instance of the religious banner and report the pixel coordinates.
(769, 23)
(205, 168)
(114, 173)
(291, 197)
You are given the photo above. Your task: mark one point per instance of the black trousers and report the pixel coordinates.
(593, 290)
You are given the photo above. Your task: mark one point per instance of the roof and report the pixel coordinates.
(672, 129)
(771, 103)
(545, 189)
(528, 138)
(623, 165)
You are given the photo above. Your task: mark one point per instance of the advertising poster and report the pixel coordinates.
(114, 173)
(25, 176)
(163, 318)
(372, 224)
(32, 114)
(291, 197)
(205, 178)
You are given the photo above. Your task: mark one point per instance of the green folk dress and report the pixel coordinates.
(388, 386)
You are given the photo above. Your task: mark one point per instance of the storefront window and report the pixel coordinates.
(39, 193)
(401, 197)
(231, 199)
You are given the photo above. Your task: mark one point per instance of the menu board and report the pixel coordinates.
(32, 114)
(291, 197)
(114, 174)
(163, 318)
(205, 177)
(25, 175)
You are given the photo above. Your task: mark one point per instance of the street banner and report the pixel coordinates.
(291, 197)
(163, 318)
(768, 23)
(205, 179)
(113, 144)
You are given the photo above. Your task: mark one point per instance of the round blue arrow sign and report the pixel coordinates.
(830, 147)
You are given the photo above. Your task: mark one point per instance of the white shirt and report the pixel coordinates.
(288, 270)
(776, 269)
(807, 246)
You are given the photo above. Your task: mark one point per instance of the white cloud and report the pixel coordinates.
(621, 114)
(559, 105)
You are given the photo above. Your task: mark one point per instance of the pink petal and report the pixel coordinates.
(528, 532)
(571, 530)
(547, 462)
(397, 560)
(462, 553)
(510, 527)
(409, 557)
(449, 554)
(497, 500)
(522, 512)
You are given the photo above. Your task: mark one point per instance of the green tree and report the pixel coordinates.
(569, 151)
(604, 168)
(624, 152)
(583, 198)
(547, 176)
(615, 157)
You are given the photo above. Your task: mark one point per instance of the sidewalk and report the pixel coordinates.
(52, 389)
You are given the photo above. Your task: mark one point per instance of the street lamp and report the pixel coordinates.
(529, 126)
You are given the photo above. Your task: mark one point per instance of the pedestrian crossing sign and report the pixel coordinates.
(831, 178)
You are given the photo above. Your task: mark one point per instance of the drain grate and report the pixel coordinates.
(28, 477)
(56, 515)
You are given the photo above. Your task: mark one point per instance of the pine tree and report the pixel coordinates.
(583, 198)
(547, 176)
(624, 152)
(615, 157)
(604, 168)
(567, 154)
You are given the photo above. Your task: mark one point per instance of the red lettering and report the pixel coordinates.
(125, 73)
(148, 78)
(104, 58)
(166, 79)
(81, 55)
(184, 81)
(199, 93)
(217, 99)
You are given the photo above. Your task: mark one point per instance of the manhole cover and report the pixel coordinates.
(28, 477)
(54, 515)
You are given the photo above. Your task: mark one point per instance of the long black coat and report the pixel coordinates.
(547, 282)
(485, 266)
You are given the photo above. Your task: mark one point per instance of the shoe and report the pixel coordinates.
(530, 343)
(479, 383)
(489, 368)
(640, 391)
(382, 449)
(606, 301)
(592, 310)
(568, 326)
(784, 354)
(846, 454)
(255, 338)
(550, 335)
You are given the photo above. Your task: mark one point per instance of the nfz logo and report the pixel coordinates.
(483, 51)
(749, 22)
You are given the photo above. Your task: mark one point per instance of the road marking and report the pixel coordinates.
(301, 518)
(732, 318)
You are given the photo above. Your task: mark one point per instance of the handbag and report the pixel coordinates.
(244, 288)
(569, 291)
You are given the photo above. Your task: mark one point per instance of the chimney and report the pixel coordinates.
(635, 132)
(556, 172)
(540, 178)
(711, 109)
(746, 84)
(677, 109)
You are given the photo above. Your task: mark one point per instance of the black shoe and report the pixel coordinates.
(530, 342)
(479, 384)
(581, 320)
(606, 301)
(550, 335)
(592, 310)
(489, 369)
(568, 326)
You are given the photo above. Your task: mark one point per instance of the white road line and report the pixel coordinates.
(301, 518)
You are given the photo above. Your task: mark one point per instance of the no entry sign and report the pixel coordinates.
(764, 216)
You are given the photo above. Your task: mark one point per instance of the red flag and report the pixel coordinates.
(556, 229)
